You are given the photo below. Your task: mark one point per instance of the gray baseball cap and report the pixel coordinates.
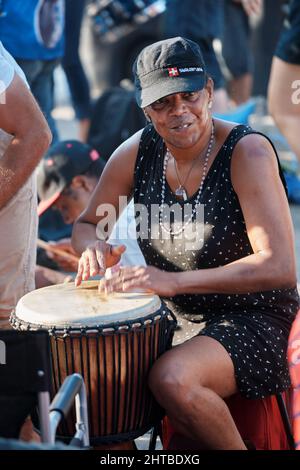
(174, 65)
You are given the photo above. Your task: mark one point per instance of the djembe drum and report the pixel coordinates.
(113, 342)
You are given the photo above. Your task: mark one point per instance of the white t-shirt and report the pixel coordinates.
(8, 67)
(124, 233)
(18, 219)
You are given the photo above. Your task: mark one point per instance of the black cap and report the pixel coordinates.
(62, 163)
(174, 65)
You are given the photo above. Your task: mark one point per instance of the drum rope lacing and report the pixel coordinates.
(115, 327)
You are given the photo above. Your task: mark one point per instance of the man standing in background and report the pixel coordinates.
(24, 138)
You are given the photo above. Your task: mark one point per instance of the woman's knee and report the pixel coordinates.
(284, 117)
(170, 380)
(173, 382)
(201, 363)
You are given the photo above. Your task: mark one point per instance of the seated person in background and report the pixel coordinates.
(223, 257)
(67, 177)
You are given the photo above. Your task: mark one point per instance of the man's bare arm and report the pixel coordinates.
(21, 117)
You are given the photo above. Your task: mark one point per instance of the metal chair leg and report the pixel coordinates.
(286, 420)
(155, 432)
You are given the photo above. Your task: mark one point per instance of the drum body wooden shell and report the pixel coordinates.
(114, 357)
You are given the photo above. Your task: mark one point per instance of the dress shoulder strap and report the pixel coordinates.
(241, 131)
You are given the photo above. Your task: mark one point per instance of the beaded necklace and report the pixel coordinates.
(166, 159)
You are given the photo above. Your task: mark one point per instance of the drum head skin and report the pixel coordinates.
(65, 305)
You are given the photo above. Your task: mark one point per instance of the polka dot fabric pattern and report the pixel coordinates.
(253, 327)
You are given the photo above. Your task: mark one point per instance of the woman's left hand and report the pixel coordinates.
(148, 278)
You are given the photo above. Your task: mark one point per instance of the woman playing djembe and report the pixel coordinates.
(235, 276)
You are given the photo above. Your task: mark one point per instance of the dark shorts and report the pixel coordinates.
(256, 344)
(201, 21)
(288, 47)
(236, 41)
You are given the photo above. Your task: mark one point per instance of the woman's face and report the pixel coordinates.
(182, 118)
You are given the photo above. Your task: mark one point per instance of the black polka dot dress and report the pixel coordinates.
(253, 327)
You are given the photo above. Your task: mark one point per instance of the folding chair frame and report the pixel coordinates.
(26, 368)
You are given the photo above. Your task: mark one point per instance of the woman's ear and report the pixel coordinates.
(210, 91)
(147, 115)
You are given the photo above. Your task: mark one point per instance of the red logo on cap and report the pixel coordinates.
(173, 72)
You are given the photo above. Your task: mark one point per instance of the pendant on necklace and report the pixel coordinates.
(181, 193)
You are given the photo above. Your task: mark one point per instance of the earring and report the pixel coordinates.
(210, 103)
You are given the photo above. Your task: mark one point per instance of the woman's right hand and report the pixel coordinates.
(96, 258)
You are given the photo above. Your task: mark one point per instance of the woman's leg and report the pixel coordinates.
(190, 382)
(283, 101)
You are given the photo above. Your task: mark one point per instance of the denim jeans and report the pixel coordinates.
(194, 19)
(77, 80)
(39, 74)
(237, 31)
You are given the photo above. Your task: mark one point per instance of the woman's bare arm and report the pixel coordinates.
(256, 180)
